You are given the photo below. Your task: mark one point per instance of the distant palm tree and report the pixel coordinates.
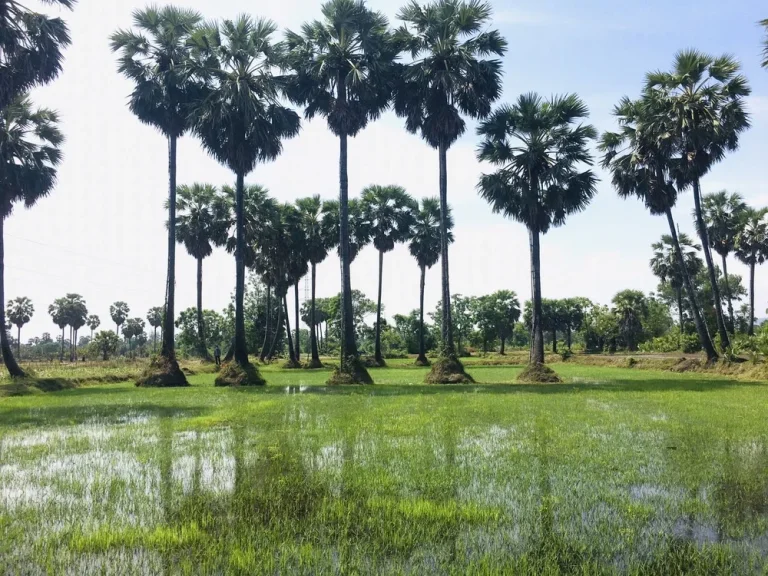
(20, 312)
(78, 315)
(241, 121)
(318, 243)
(119, 313)
(30, 143)
(389, 209)
(723, 215)
(450, 75)
(201, 223)
(60, 315)
(155, 58)
(666, 267)
(297, 262)
(155, 319)
(342, 70)
(703, 108)
(752, 249)
(539, 149)
(424, 245)
(764, 24)
(630, 308)
(641, 158)
(359, 230)
(93, 322)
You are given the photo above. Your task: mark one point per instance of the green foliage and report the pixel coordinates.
(104, 344)
(93, 322)
(20, 311)
(390, 212)
(424, 243)
(360, 228)
(119, 313)
(188, 338)
(202, 219)
(407, 328)
(496, 315)
(155, 316)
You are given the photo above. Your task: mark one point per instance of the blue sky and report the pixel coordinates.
(101, 233)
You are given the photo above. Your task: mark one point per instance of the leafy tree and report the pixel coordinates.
(703, 108)
(450, 75)
(342, 70)
(389, 209)
(752, 249)
(30, 143)
(155, 58)
(189, 336)
(119, 313)
(573, 311)
(631, 309)
(723, 215)
(415, 336)
(240, 121)
(60, 314)
(600, 329)
(201, 223)
(539, 150)
(133, 327)
(425, 246)
(20, 312)
(658, 321)
(155, 319)
(105, 343)
(497, 314)
(93, 322)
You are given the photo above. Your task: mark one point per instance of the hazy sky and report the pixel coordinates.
(101, 232)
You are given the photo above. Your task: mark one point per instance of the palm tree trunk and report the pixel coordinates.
(377, 346)
(71, 343)
(10, 362)
(501, 351)
(241, 352)
(679, 292)
(278, 328)
(347, 332)
(61, 352)
(154, 345)
(200, 322)
(167, 349)
(728, 295)
(537, 332)
(18, 342)
(291, 350)
(448, 349)
(313, 325)
(264, 347)
(422, 356)
(296, 315)
(701, 327)
(725, 341)
(752, 298)
(568, 336)
(554, 340)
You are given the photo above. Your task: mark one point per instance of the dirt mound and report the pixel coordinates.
(233, 374)
(539, 374)
(162, 373)
(448, 370)
(354, 373)
(687, 365)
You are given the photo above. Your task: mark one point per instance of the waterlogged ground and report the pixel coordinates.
(616, 471)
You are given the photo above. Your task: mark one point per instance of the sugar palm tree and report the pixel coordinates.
(359, 229)
(20, 312)
(60, 315)
(389, 210)
(723, 214)
(641, 158)
(318, 243)
(119, 313)
(297, 263)
(241, 121)
(201, 223)
(30, 143)
(540, 150)
(155, 58)
(424, 245)
(155, 319)
(453, 72)
(93, 322)
(703, 108)
(630, 308)
(666, 267)
(764, 24)
(342, 70)
(31, 45)
(77, 315)
(752, 249)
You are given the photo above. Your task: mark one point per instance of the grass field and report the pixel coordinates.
(615, 471)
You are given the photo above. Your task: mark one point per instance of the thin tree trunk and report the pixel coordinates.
(296, 314)
(728, 295)
(313, 325)
(167, 349)
(554, 340)
(568, 336)
(502, 346)
(701, 327)
(377, 345)
(200, 322)
(679, 292)
(241, 352)
(422, 353)
(154, 345)
(61, 352)
(725, 341)
(291, 350)
(264, 347)
(537, 332)
(752, 298)
(447, 349)
(278, 328)
(10, 362)
(18, 342)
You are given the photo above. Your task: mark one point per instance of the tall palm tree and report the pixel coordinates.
(452, 72)
(30, 143)
(642, 160)
(155, 319)
(119, 313)
(77, 315)
(201, 223)
(318, 243)
(666, 266)
(31, 45)
(389, 210)
(60, 315)
(93, 322)
(752, 249)
(297, 263)
(241, 121)
(425, 246)
(359, 229)
(342, 70)
(539, 149)
(703, 108)
(155, 58)
(20, 312)
(723, 214)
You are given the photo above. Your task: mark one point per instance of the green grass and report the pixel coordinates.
(615, 471)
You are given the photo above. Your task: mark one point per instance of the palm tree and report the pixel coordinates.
(389, 209)
(630, 308)
(155, 58)
(342, 69)
(92, 322)
(201, 223)
(752, 249)
(60, 315)
(77, 313)
(703, 108)
(642, 162)
(450, 75)
(119, 313)
(425, 247)
(666, 266)
(31, 46)
(30, 143)
(359, 229)
(155, 319)
(318, 243)
(764, 24)
(539, 150)
(133, 327)
(20, 312)
(241, 121)
(723, 214)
